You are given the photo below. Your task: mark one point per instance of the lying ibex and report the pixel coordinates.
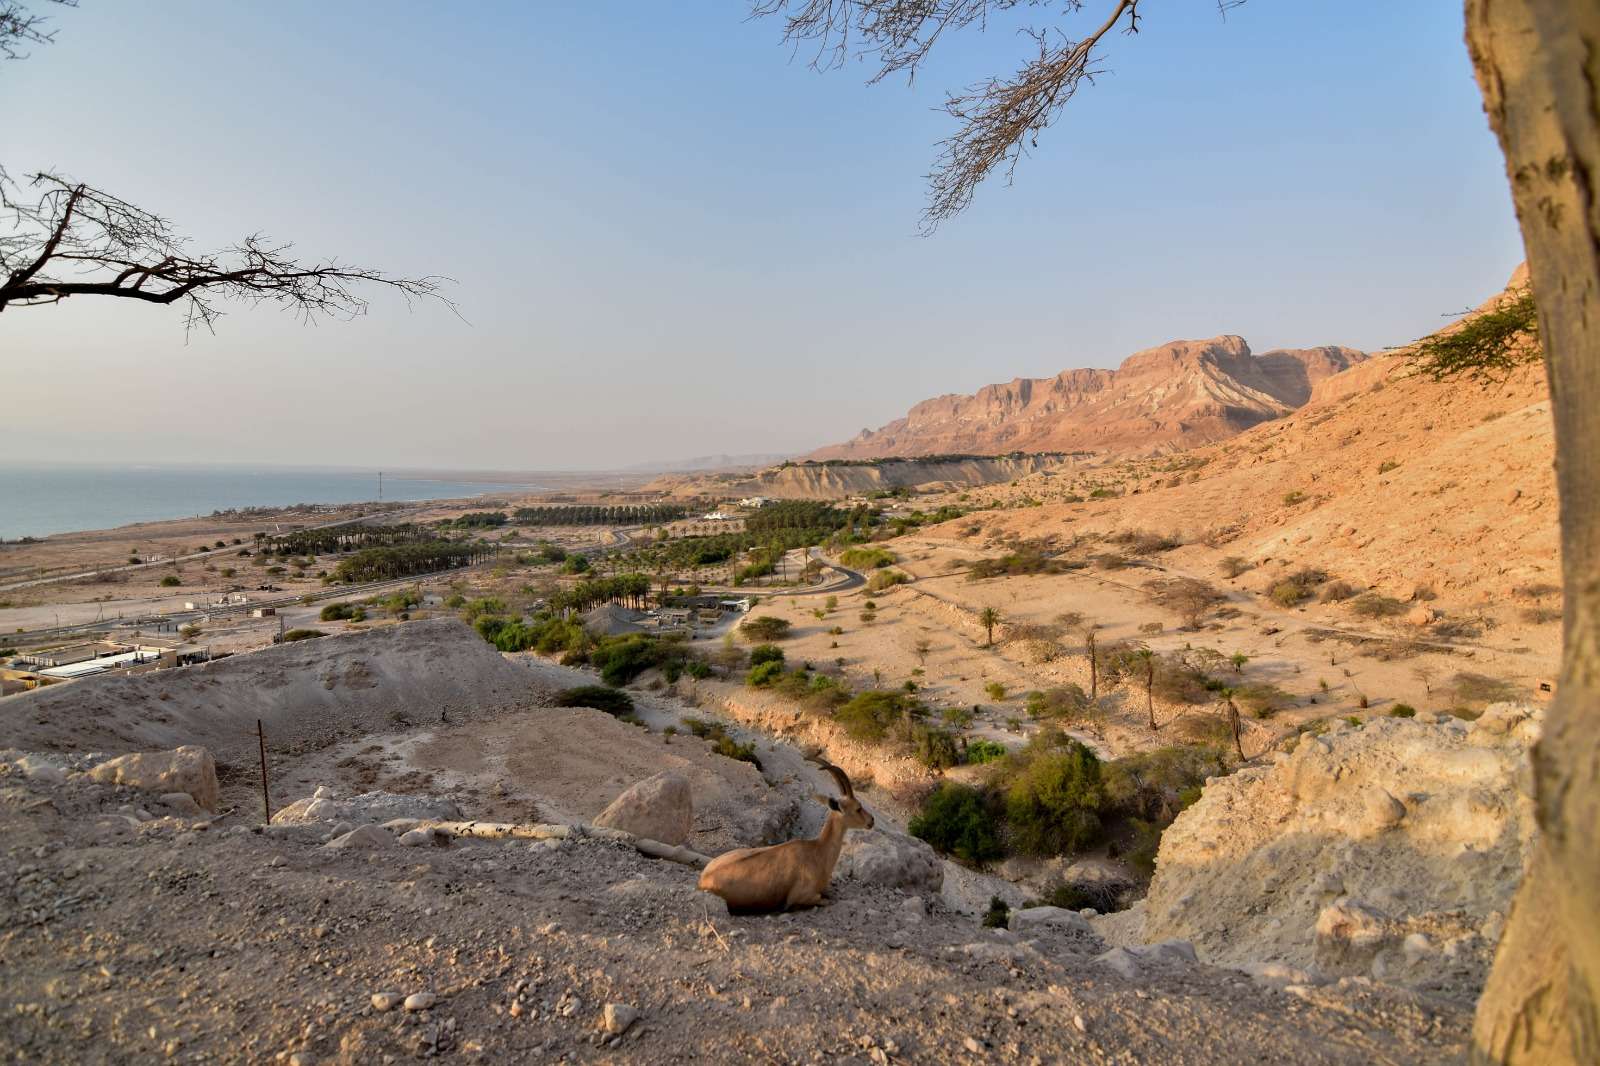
(794, 874)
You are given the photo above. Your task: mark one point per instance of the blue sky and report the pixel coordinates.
(672, 239)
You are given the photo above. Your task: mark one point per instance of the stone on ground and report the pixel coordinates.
(188, 769)
(657, 808)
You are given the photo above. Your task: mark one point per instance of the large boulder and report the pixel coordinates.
(1391, 850)
(367, 808)
(188, 769)
(893, 860)
(657, 808)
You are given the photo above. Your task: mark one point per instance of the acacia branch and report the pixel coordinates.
(1000, 118)
(76, 240)
(19, 27)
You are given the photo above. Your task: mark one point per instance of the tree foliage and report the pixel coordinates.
(1485, 348)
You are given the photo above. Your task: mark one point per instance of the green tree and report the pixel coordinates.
(988, 618)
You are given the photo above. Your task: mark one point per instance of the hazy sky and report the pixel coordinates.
(671, 239)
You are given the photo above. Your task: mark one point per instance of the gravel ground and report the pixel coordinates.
(128, 940)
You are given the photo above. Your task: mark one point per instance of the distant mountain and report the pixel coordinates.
(1178, 395)
(712, 462)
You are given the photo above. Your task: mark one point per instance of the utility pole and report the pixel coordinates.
(380, 486)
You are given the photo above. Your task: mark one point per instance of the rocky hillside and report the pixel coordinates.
(1178, 395)
(1387, 480)
(836, 480)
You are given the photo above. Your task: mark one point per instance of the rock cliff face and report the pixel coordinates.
(1178, 395)
(1391, 850)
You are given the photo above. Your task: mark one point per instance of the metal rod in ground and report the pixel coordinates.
(266, 800)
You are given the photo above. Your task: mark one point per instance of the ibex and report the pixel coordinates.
(793, 874)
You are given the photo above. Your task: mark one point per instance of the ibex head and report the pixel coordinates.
(855, 815)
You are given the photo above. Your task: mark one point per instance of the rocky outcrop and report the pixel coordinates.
(1177, 395)
(657, 808)
(189, 769)
(1391, 850)
(893, 860)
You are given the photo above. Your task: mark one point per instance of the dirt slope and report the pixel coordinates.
(1176, 395)
(307, 694)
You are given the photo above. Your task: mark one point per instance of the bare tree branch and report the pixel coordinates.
(71, 239)
(20, 27)
(1000, 118)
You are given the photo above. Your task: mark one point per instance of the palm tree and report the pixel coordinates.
(1094, 663)
(1235, 724)
(989, 618)
(1148, 658)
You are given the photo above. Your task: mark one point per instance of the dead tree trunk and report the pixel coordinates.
(1537, 67)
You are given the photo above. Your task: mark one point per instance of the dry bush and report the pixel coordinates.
(1541, 615)
(1233, 566)
(1261, 700)
(1111, 561)
(1535, 590)
(1373, 605)
(1337, 592)
(1476, 691)
(1189, 598)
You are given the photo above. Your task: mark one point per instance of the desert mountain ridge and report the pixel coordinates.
(1174, 396)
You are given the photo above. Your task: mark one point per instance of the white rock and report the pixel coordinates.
(893, 860)
(418, 838)
(188, 769)
(180, 803)
(1034, 917)
(364, 836)
(368, 808)
(420, 1000)
(386, 1001)
(37, 768)
(657, 808)
(617, 1017)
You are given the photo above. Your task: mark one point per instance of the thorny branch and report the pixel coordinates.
(1000, 118)
(71, 239)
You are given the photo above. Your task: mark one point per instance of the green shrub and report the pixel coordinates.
(985, 751)
(998, 916)
(622, 659)
(169, 582)
(867, 558)
(765, 653)
(868, 716)
(958, 820)
(1053, 803)
(1156, 785)
(721, 743)
(764, 674)
(336, 612)
(1402, 710)
(600, 697)
(1064, 701)
(995, 690)
(886, 579)
(936, 748)
(302, 634)
(765, 629)
(575, 564)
